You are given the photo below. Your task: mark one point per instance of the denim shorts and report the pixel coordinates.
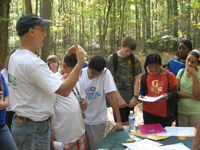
(31, 135)
(6, 140)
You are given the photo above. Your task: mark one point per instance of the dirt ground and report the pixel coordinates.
(110, 120)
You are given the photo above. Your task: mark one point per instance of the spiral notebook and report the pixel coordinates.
(149, 129)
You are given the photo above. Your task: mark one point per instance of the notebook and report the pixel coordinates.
(149, 129)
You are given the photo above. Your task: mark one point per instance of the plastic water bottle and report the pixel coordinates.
(131, 118)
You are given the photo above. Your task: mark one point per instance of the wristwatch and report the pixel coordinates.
(136, 96)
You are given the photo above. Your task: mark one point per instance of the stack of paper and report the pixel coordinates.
(143, 145)
(150, 145)
(178, 131)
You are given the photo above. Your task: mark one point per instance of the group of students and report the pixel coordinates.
(69, 106)
(180, 93)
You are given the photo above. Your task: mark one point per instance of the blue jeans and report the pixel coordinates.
(31, 135)
(6, 140)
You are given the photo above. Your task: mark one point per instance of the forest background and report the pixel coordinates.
(100, 25)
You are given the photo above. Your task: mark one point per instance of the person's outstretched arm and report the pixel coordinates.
(113, 102)
(71, 80)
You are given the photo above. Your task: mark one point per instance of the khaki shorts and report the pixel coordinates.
(188, 121)
(93, 135)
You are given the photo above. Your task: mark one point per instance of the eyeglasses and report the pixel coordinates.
(39, 29)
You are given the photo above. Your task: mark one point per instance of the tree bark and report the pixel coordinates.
(36, 8)
(143, 24)
(46, 15)
(175, 23)
(168, 12)
(198, 35)
(156, 16)
(188, 21)
(28, 7)
(103, 30)
(122, 21)
(148, 20)
(4, 19)
(136, 21)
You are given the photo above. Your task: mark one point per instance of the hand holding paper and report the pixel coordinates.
(150, 99)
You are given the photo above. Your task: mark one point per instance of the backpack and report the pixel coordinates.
(115, 61)
(175, 66)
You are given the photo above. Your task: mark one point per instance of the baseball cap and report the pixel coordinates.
(27, 21)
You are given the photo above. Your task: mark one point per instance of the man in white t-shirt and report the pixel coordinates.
(31, 85)
(97, 82)
(69, 129)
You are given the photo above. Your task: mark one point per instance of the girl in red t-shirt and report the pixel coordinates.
(155, 82)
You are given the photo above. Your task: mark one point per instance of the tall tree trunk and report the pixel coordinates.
(91, 33)
(182, 16)
(100, 29)
(188, 21)
(143, 24)
(168, 12)
(114, 27)
(122, 21)
(46, 15)
(28, 7)
(83, 22)
(156, 16)
(69, 25)
(103, 30)
(83, 26)
(41, 7)
(4, 19)
(152, 22)
(119, 27)
(136, 20)
(36, 9)
(198, 36)
(175, 23)
(148, 20)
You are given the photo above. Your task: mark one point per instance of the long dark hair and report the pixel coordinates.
(152, 58)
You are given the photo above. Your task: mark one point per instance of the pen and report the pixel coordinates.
(140, 93)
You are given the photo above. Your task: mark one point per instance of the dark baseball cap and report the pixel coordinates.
(27, 21)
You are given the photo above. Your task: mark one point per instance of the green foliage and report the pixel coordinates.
(77, 21)
(161, 43)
